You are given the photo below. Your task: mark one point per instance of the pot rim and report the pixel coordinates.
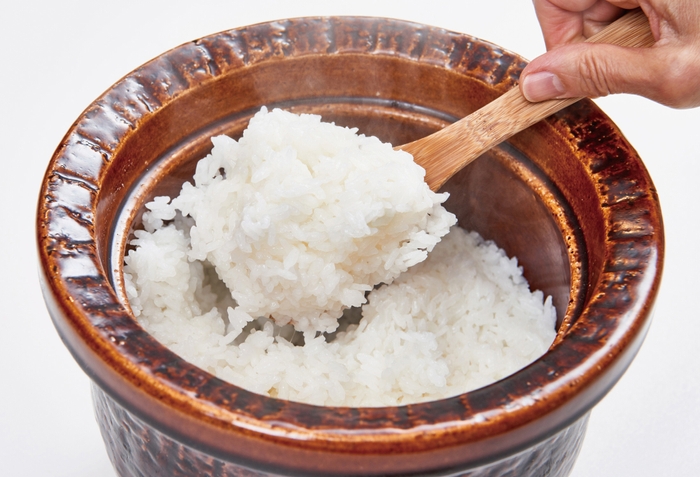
(221, 418)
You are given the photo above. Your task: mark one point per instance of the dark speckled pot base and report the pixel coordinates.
(138, 450)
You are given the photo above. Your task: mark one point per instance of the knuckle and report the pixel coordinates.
(594, 77)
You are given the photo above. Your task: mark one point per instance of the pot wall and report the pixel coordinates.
(138, 450)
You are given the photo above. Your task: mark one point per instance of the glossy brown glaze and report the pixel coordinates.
(137, 449)
(569, 197)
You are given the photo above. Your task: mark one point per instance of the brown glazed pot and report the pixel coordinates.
(569, 197)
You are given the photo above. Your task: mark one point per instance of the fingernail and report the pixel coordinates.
(542, 85)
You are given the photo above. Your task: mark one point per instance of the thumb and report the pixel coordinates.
(594, 70)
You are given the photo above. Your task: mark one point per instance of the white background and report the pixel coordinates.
(57, 57)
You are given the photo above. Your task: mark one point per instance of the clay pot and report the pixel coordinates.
(569, 197)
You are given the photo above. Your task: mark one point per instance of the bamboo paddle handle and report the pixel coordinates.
(444, 153)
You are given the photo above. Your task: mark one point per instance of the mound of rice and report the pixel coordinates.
(300, 221)
(301, 218)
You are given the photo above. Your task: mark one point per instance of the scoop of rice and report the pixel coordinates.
(302, 218)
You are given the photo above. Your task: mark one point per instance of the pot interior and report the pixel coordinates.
(504, 195)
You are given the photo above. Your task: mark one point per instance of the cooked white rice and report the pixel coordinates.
(299, 220)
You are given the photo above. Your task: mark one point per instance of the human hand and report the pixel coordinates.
(668, 72)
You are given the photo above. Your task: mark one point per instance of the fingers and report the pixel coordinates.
(559, 26)
(669, 75)
(572, 21)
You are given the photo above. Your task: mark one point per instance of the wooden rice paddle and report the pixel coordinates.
(444, 153)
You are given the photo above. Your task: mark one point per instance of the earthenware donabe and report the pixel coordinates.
(569, 197)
